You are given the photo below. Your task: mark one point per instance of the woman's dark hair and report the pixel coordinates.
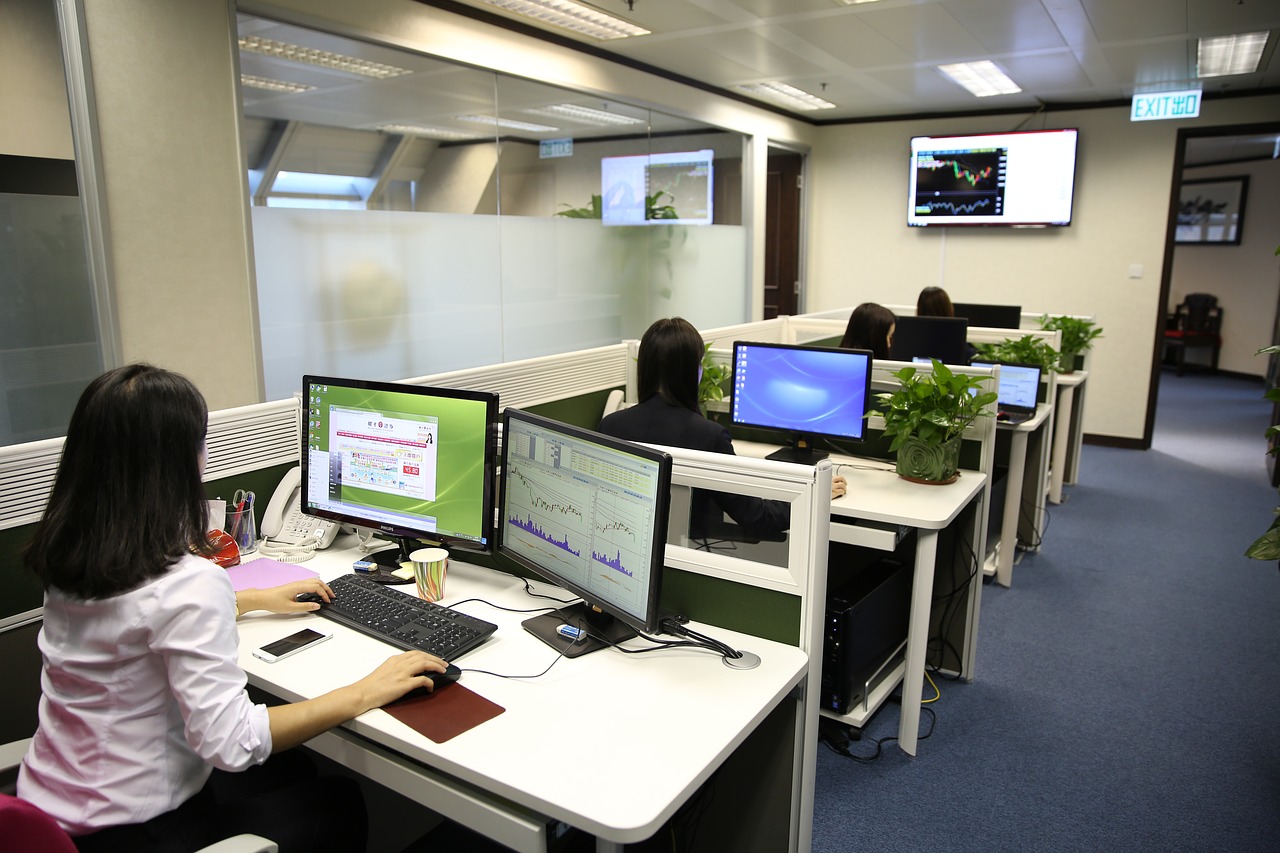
(934, 302)
(670, 356)
(128, 499)
(868, 328)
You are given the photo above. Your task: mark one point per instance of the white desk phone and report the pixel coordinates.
(289, 535)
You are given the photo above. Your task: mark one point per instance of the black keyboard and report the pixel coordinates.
(404, 620)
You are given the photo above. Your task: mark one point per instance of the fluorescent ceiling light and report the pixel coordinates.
(1223, 55)
(507, 123)
(981, 78)
(785, 95)
(854, 2)
(322, 58)
(586, 115)
(423, 130)
(272, 85)
(572, 16)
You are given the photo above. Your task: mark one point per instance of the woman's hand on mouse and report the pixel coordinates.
(397, 675)
(839, 487)
(283, 598)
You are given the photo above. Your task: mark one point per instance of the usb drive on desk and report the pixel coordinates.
(571, 633)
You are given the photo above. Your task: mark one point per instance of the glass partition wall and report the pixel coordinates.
(412, 216)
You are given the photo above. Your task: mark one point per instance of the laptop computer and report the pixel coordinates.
(1016, 396)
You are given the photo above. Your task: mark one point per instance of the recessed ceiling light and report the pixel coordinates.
(322, 58)
(423, 130)
(786, 95)
(854, 2)
(572, 16)
(272, 85)
(983, 79)
(1223, 55)
(507, 123)
(586, 115)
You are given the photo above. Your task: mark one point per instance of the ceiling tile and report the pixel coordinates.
(1136, 19)
(926, 32)
(851, 40)
(1006, 26)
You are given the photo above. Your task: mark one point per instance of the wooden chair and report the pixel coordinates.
(1195, 324)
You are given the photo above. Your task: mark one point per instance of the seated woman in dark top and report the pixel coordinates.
(934, 302)
(669, 369)
(870, 327)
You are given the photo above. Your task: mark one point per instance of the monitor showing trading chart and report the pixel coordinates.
(587, 512)
(1025, 178)
(670, 188)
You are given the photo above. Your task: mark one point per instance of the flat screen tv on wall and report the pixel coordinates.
(1024, 178)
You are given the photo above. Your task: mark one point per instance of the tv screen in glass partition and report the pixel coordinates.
(673, 188)
(1024, 178)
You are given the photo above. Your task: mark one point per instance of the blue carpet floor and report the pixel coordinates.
(1126, 691)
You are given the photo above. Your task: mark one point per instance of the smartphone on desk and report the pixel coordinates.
(291, 645)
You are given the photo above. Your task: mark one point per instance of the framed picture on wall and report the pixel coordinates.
(1211, 211)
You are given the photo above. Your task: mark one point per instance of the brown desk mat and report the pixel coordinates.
(444, 714)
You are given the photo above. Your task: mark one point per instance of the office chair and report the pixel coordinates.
(1196, 324)
(23, 826)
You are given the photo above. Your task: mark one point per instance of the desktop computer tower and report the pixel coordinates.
(866, 621)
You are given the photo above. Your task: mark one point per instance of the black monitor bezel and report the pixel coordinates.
(1009, 316)
(649, 623)
(917, 332)
(866, 391)
(488, 530)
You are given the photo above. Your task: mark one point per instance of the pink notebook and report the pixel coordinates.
(265, 572)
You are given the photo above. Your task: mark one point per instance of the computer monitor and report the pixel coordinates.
(588, 512)
(990, 316)
(943, 338)
(409, 461)
(805, 391)
(1019, 387)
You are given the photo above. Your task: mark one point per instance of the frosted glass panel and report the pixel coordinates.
(374, 294)
(49, 348)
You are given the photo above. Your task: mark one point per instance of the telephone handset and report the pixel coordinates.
(288, 533)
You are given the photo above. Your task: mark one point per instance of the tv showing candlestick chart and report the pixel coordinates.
(587, 512)
(1023, 178)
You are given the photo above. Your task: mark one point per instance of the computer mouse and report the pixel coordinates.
(443, 679)
(310, 596)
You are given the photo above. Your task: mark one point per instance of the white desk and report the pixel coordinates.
(877, 494)
(610, 743)
(1067, 432)
(1016, 489)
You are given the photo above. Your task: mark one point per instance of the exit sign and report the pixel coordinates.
(1161, 105)
(555, 148)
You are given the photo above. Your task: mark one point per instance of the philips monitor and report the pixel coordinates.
(990, 316)
(409, 461)
(1024, 179)
(588, 512)
(674, 188)
(805, 391)
(943, 338)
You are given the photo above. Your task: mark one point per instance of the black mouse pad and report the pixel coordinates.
(444, 714)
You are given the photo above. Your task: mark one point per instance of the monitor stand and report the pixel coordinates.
(801, 452)
(389, 560)
(599, 625)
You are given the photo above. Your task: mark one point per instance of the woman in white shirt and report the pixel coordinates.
(142, 694)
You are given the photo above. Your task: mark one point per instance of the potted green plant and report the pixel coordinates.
(1025, 350)
(1078, 335)
(926, 417)
(1267, 546)
(714, 375)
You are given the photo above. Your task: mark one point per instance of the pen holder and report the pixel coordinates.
(242, 528)
(429, 565)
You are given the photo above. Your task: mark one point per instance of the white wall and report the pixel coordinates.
(1245, 278)
(36, 121)
(860, 248)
